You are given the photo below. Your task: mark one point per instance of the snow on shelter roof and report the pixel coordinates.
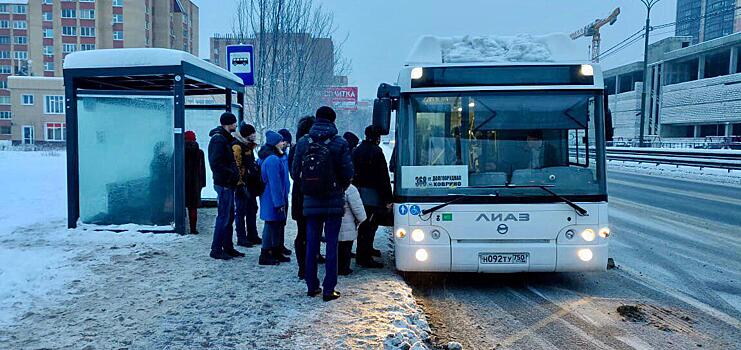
(141, 57)
(557, 47)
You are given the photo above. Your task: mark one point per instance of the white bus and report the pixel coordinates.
(500, 167)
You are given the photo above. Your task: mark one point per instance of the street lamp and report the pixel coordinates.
(649, 4)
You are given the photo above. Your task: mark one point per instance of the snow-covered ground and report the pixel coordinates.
(706, 175)
(64, 288)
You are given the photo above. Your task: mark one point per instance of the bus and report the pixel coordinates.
(499, 166)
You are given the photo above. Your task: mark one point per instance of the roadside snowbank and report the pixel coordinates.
(707, 175)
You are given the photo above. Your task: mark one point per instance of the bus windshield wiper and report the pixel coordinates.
(579, 210)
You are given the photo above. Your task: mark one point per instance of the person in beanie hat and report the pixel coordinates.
(274, 199)
(297, 200)
(226, 176)
(351, 139)
(286, 135)
(195, 178)
(249, 185)
(324, 210)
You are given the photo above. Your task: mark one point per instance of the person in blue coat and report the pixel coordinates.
(274, 199)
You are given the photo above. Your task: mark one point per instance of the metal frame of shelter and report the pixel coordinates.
(178, 81)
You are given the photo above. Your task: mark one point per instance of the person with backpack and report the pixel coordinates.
(249, 185)
(353, 217)
(274, 199)
(226, 176)
(195, 178)
(324, 167)
(373, 182)
(297, 200)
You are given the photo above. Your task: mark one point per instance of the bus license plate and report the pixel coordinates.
(503, 258)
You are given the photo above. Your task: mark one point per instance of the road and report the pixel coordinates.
(676, 245)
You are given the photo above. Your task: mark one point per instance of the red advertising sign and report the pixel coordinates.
(342, 97)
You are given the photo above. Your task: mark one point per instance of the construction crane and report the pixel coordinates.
(592, 30)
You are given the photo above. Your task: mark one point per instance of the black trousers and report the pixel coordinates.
(344, 255)
(299, 244)
(366, 235)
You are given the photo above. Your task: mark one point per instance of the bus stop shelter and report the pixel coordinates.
(126, 112)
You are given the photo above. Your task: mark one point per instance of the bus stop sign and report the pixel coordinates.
(241, 62)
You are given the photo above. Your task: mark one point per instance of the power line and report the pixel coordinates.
(620, 43)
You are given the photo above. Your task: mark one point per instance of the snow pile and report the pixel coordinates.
(470, 49)
(707, 175)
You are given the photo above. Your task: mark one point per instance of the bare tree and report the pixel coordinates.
(295, 60)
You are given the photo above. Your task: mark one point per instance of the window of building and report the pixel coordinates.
(56, 131)
(4, 69)
(20, 25)
(87, 14)
(712, 130)
(87, 47)
(20, 9)
(118, 18)
(69, 31)
(67, 48)
(4, 39)
(4, 9)
(87, 31)
(4, 130)
(87, 0)
(4, 100)
(48, 50)
(4, 84)
(117, 3)
(53, 104)
(48, 2)
(4, 24)
(118, 35)
(21, 39)
(48, 16)
(21, 55)
(48, 66)
(4, 54)
(48, 33)
(6, 115)
(69, 13)
(27, 100)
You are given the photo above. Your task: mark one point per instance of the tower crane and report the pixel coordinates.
(592, 29)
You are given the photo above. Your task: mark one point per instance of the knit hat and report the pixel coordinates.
(351, 139)
(285, 134)
(227, 118)
(272, 138)
(190, 136)
(246, 129)
(371, 133)
(326, 113)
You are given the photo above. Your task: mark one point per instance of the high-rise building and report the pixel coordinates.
(36, 35)
(707, 19)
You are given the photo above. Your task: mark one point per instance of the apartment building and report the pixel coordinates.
(36, 35)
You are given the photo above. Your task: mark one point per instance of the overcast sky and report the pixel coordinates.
(381, 32)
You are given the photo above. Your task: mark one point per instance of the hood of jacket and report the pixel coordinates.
(266, 151)
(191, 145)
(322, 130)
(304, 125)
(221, 131)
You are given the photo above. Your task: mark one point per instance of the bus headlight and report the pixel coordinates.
(588, 235)
(417, 73)
(586, 70)
(604, 232)
(422, 256)
(401, 233)
(584, 254)
(418, 235)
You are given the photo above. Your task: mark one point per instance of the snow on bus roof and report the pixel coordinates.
(140, 57)
(556, 47)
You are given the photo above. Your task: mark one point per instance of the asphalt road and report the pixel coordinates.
(677, 246)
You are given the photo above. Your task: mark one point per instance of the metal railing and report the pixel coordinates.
(721, 159)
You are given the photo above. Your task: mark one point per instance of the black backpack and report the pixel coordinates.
(317, 170)
(254, 179)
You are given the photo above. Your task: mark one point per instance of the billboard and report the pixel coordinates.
(342, 98)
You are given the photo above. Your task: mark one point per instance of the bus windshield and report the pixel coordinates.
(470, 143)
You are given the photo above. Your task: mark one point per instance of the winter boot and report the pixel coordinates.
(220, 255)
(235, 253)
(278, 255)
(286, 251)
(331, 296)
(266, 258)
(245, 243)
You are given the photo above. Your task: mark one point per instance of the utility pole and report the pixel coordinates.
(649, 4)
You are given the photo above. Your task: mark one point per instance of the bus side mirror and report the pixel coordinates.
(382, 115)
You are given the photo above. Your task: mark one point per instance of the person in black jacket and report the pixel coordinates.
(297, 200)
(323, 210)
(195, 178)
(245, 196)
(352, 140)
(226, 176)
(373, 182)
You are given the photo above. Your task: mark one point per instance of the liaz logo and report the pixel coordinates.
(503, 217)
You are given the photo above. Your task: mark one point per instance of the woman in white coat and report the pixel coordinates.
(354, 215)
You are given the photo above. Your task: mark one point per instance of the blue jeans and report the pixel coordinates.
(224, 220)
(331, 225)
(270, 233)
(245, 207)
